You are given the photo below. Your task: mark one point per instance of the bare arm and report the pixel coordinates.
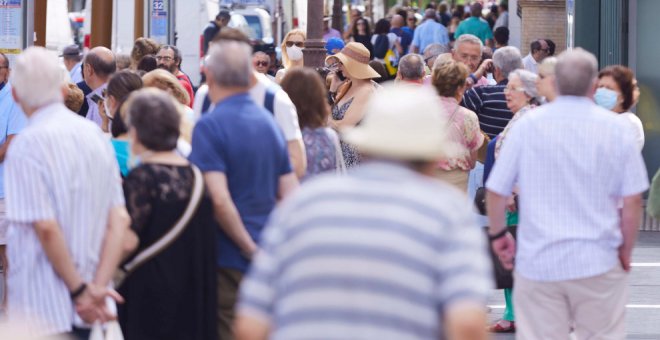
(496, 208)
(226, 213)
(250, 328)
(353, 115)
(4, 147)
(287, 184)
(113, 245)
(52, 240)
(297, 157)
(465, 322)
(630, 221)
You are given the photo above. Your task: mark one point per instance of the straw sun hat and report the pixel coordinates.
(355, 58)
(403, 122)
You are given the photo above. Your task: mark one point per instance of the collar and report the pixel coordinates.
(97, 92)
(44, 112)
(573, 100)
(234, 99)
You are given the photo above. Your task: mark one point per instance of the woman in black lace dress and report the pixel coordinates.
(173, 295)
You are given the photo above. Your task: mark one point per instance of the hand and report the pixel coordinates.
(91, 304)
(505, 249)
(625, 255)
(485, 67)
(511, 205)
(105, 120)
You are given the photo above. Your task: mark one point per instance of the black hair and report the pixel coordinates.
(535, 45)
(177, 53)
(224, 14)
(501, 35)
(551, 47)
(120, 86)
(382, 27)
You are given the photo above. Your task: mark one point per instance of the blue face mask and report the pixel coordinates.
(606, 98)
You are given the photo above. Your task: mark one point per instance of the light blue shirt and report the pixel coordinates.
(12, 121)
(93, 113)
(430, 32)
(573, 163)
(76, 73)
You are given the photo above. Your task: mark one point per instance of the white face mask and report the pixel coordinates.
(108, 113)
(294, 53)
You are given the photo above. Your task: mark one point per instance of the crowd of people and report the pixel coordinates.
(321, 203)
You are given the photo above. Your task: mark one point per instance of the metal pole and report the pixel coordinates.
(138, 20)
(337, 14)
(314, 51)
(102, 23)
(39, 23)
(570, 24)
(28, 25)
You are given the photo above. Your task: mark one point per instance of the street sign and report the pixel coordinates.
(161, 21)
(16, 27)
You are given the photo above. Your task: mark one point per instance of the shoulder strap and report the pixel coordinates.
(166, 240)
(206, 104)
(269, 100)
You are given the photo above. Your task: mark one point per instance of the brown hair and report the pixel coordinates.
(308, 93)
(142, 47)
(74, 98)
(154, 116)
(623, 77)
(120, 86)
(448, 77)
(166, 81)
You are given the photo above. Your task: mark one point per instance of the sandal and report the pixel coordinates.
(498, 328)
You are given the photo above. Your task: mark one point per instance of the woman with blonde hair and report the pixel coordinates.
(167, 82)
(292, 54)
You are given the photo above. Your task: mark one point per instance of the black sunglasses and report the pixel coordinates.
(262, 63)
(297, 43)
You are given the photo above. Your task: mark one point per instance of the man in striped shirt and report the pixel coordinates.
(65, 208)
(387, 252)
(488, 102)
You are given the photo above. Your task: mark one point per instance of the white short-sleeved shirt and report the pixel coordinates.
(572, 166)
(637, 127)
(285, 112)
(60, 167)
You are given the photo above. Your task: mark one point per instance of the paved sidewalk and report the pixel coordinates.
(643, 313)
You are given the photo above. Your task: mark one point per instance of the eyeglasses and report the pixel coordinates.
(473, 58)
(411, 19)
(261, 63)
(515, 89)
(297, 43)
(164, 58)
(429, 58)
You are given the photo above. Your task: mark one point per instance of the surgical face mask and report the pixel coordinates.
(108, 112)
(606, 98)
(295, 53)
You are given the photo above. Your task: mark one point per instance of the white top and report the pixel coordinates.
(572, 166)
(285, 112)
(636, 125)
(93, 113)
(60, 167)
(530, 64)
(390, 36)
(502, 21)
(76, 73)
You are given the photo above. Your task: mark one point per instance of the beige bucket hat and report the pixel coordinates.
(355, 58)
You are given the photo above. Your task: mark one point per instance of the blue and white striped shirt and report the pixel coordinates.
(489, 103)
(61, 167)
(378, 254)
(573, 162)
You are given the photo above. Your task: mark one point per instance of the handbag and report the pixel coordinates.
(112, 331)
(168, 238)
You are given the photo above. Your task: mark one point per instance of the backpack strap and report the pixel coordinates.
(206, 104)
(269, 100)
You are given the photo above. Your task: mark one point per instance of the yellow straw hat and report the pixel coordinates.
(355, 58)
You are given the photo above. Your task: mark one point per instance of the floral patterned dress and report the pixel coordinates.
(350, 153)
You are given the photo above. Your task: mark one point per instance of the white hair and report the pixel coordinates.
(576, 72)
(230, 63)
(468, 39)
(411, 67)
(528, 80)
(507, 59)
(37, 78)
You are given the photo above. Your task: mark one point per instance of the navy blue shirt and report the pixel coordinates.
(242, 140)
(489, 103)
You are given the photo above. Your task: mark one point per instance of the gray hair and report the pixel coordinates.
(547, 66)
(441, 60)
(528, 80)
(37, 86)
(575, 72)
(230, 63)
(411, 67)
(434, 50)
(468, 39)
(507, 59)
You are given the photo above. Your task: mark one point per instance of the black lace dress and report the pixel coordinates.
(350, 152)
(173, 295)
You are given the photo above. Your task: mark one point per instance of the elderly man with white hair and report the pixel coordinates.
(411, 69)
(243, 155)
(489, 102)
(65, 208)
(357, 257)
(468, 49)
(580, 182)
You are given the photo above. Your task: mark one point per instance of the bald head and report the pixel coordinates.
(101, 61)
(430, 14)
(576, 72)
(398, 21)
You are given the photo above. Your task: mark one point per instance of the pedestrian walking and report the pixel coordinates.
(569, 200)
(356, 256)
(538, 50)
(429, 32)
(476, 25)
(66, 228)
(292, 52)
(169, 59)
(98, 67)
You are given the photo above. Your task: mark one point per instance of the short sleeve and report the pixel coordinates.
(416, 39)
(465, 245)
(487, 32)
(207, 149)
(285, 166)
(507, 167)
(287, 117)
(16, 121)
(634, 178)
(473, 134)
(137, 188)
(27, 188)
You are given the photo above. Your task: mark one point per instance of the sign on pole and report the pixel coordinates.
(161, 21)
(16, 27)
(570, 24)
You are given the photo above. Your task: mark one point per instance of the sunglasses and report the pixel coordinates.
(297, 43)
(262, 63)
